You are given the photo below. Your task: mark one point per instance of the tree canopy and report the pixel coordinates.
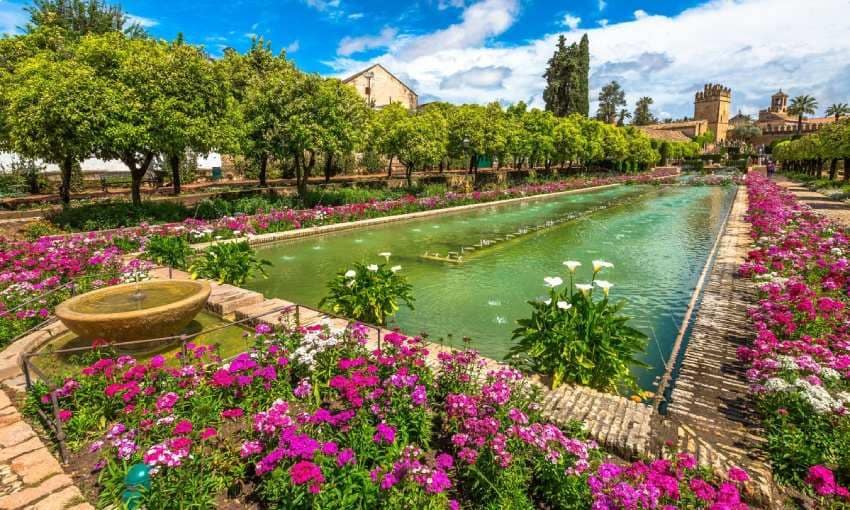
(567, 76)
(611, 98)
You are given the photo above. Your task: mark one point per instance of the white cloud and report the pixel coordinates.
(571, 21)
(601, 4)
(293, 47)
(351, 45)
(355, 15)
(479, 22)
(12, 16)
(142, 21)
(664, 57)
(640, 13)
(603, 23)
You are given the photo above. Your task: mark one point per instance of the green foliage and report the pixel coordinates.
(116, 214)
(171, 251)
(369, 293)
(40, 228)
(233, 263)
(643, 115)
(566, 76)
(611, 98)
(577, 339)
(81, 17)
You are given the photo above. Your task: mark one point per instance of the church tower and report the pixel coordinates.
(779, 102)
(712, 105)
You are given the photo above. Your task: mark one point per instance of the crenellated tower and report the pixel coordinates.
(712, 104)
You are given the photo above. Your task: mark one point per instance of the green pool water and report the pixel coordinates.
(658, 239)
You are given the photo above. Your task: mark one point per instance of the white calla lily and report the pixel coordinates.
(572, 265)
(372, 267)
(605, 285)
(553, 281)
(350, 273)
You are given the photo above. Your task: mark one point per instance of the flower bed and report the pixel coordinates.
(312, 419)
(28, 269)
(800, 359)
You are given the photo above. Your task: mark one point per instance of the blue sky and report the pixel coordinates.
(484, 50)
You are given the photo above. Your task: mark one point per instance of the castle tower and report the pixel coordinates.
(779, 102)
(712, 105)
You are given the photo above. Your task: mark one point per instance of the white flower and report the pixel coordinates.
(386, 255)
(605, 285)
(563, 305)
(553, 281)
(547, 302)
(584, 287)
(829, 373)
(599, 265)
(350, 273)
(395, 269)
(572, 265)
(372, 267)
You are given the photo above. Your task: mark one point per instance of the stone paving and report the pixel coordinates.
(710, 406)
(30, 476)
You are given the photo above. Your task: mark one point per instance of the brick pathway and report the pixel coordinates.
(710, 406)
(30, 476)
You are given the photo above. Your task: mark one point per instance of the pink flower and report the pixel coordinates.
(208, 433)
(232, 413)
(304, 471)
(821, 479)
(183, 427)
(738, 475)
(65, 415)
(385, 434)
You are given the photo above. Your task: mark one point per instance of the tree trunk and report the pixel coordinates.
(137, 173)
(799, 123)
(409, 175)
(390, 167)
(308, 170)
(264, 165)
(833, 168)
(65, 186)
(329, 158)
(471, 163)
(442, 164)
(819, 167)
(174, 161)
(846, 169)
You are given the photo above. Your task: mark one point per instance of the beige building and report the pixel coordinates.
(712, 104)
(379, 87)
(711, 113)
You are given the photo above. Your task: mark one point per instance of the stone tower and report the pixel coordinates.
(712, 105)
(779, 102)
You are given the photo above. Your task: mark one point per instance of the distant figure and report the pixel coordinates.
(771, 168)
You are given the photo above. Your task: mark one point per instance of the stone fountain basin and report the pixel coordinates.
(135, 311)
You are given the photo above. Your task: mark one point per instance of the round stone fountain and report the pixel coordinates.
(135, 311)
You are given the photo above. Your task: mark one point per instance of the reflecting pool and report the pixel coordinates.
(658, 239)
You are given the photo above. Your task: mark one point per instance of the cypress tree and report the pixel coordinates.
(567, 86)
(582, 93)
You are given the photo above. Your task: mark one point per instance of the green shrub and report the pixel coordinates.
(369, 293)
(232, 263)
(40, 228)
(171, 251)
(117, 214)
(577, 339)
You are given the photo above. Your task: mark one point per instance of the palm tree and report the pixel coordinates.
(838, 110)
(800, 106)
(622, 116)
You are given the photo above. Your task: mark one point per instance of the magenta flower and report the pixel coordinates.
(385, 434)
